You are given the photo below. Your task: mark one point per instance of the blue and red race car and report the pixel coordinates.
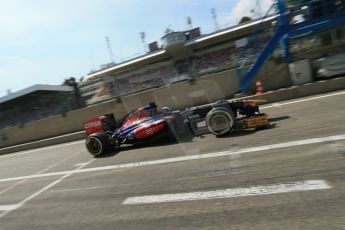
(142, 125)
(148, 124)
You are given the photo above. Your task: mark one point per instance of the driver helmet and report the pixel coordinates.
(166, 111)
(107, 123)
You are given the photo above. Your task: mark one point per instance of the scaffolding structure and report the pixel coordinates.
(315, 16)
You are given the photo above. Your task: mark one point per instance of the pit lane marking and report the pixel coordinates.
(41, 149)
(231, 192)
(301, 100)
(187, 158)
(10, 208)
(80, 164)
(40, 172)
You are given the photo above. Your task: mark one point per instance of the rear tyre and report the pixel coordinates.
(97, 143)
(220, 121)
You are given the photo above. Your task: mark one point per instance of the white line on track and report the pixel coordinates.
(232, 192)
(40, 172)
(41, 149)
(23, 202)
(7, 208)
(80, 164)
(301, 100)
(187, 158)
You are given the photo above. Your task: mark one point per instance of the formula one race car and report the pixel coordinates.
(148, 124)
(142, 125)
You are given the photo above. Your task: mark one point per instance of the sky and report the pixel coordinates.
(46, 41)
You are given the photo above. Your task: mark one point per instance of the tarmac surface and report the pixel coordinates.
(290, 176)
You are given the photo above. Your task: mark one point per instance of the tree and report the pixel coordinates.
(73, 83)
(245, 19)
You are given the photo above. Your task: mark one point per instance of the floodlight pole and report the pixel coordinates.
(214, 16)
(107, 40)
(143, 36)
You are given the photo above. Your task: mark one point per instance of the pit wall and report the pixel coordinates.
(205, 89)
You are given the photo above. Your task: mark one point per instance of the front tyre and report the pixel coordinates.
(220, 121)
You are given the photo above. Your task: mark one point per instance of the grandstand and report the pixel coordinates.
(183, 55)
(186, 55)
(90, 86)
(34, 103)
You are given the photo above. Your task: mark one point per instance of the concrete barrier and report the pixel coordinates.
(53, 126)
(45, 142)
(305, 90)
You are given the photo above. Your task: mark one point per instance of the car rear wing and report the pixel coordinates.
(102, 123)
